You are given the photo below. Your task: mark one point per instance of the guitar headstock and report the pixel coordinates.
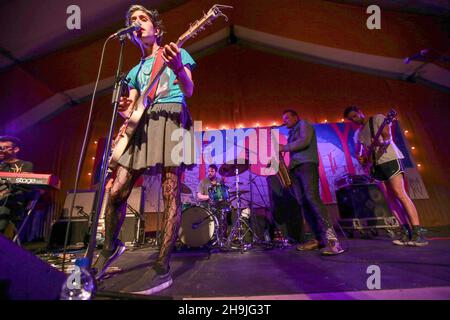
(391, 115)
(200, 25)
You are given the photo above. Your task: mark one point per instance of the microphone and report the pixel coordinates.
(134, 27)
(416, 56)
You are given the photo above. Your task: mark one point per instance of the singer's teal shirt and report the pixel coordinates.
(167, 91)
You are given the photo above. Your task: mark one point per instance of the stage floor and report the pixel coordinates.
(289, 274)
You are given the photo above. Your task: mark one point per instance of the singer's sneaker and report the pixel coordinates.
(106, 258)
(151, 282)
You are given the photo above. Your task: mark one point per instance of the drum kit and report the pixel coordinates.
(206, 224)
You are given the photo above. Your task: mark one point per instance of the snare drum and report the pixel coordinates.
(218, 193)
(197, 227)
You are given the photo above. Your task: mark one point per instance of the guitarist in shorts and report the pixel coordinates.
(151, 145)
(387, 168)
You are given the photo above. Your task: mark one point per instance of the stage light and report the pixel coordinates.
(419, 165)
(325, 121)
(413, 148)
(241, 126)
(207, 128)
(95, 141)
(274, 124)
(93, 158)
(342, 119)
(89, 174)
(257, 125)
(406, 131)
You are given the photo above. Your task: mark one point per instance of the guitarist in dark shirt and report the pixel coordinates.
(12, 199)
(388, 168)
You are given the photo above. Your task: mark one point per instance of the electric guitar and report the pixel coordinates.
(128, 128)
(373, 152)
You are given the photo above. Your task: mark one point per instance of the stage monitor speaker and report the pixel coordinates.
(24, 276)
(78, 232)
(362, 201)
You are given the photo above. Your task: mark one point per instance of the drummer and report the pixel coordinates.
(203, 186)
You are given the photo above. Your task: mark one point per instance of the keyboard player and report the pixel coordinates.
(13, 199)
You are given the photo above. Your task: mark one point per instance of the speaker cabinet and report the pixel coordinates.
(362, 202)
(24, 276)
(78, 232)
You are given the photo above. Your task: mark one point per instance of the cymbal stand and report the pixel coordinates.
(237, 229)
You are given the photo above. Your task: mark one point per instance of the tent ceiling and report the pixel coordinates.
(428, 7)
(31, 29)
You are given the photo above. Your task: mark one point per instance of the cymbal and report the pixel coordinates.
(185, 189)
(233, 193)
(229, 170)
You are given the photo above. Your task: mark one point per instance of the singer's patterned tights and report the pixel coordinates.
(120, 191)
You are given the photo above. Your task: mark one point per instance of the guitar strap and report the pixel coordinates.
(372, 135)
(156, 67)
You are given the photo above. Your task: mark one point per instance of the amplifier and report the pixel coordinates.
(78, 233)
(84, 204)
(352, 179)
(362, 201)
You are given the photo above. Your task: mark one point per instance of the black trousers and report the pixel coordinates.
(286, 212)
(305, 180)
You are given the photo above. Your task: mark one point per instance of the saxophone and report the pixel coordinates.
(283, 173)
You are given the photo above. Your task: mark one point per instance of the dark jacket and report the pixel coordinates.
(302, 144)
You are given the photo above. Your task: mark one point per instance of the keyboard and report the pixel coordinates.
(37, 180)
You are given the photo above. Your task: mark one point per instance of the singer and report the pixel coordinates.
(151, 144)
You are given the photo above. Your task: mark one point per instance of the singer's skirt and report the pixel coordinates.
(163, 138)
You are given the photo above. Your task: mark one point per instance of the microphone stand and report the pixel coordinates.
(100, 193)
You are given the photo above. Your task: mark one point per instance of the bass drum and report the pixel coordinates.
(198, 226)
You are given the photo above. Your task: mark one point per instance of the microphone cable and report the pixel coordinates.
(83, 154)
